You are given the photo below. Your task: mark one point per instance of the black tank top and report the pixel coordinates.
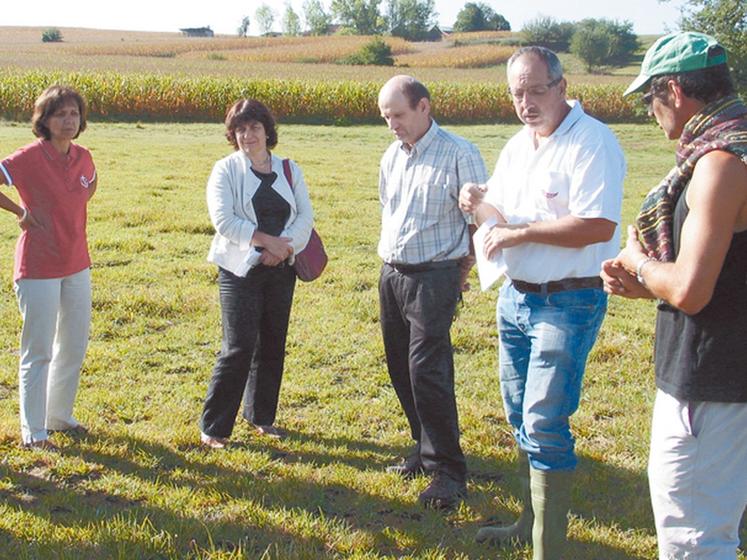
(272, 210)
(703, 357)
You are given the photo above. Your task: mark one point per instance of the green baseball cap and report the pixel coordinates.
(676, 53)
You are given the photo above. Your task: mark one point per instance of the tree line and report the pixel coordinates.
(410, 19)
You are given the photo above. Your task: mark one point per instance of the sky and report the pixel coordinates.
(224, 16)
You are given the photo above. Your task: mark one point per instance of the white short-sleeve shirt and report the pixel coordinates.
(578, 170)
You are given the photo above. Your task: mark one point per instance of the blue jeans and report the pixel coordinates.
(544, 342)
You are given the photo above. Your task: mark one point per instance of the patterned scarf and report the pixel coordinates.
(721, 125)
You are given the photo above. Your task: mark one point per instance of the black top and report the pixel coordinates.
(272, 210)
(703, 357)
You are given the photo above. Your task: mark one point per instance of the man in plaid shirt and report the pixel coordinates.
(425, 246)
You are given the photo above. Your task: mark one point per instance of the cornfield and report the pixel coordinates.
(480, 36)
(151, 97)
(277, 49)
(468, 56)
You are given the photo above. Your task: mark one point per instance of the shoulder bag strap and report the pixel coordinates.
(287, 173)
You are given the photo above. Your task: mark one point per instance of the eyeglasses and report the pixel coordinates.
(534, 91)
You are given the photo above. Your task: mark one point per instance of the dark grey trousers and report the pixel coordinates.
(255, 311)
(416, 312)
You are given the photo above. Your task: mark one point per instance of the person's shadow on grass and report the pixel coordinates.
(604, 496)
(272, 508)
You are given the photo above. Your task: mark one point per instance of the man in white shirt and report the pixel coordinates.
(556, 194)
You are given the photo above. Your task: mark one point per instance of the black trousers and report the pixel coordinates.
(416, 312)
(255, 311)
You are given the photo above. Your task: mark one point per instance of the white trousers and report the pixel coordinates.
(697, 475)
(56, 319)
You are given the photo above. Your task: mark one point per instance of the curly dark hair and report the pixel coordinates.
(706, 85)
(245, 111)
(52, 99)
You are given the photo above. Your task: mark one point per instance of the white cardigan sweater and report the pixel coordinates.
(230, 189)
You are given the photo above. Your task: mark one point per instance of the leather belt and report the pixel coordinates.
(423, 267)
(558, 285)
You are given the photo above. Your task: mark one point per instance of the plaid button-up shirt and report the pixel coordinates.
(419, 191)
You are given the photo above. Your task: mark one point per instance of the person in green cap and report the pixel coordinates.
(688, 250)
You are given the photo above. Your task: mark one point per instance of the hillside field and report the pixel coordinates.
(453, 59)
(166, 77)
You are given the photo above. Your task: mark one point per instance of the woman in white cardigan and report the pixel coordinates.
(261, 221)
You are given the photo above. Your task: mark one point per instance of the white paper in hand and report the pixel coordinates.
(491, 270)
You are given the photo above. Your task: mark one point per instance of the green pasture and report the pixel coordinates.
(139, 486)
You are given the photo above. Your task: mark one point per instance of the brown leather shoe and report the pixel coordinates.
(444, 492)
(409, 467)
(269, 431)
(43, 444)
(79, 430)
(213, 442)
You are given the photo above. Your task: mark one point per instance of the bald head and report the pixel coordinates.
(408, 86)
(405, 106)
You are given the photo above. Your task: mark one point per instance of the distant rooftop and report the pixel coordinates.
(197, 31)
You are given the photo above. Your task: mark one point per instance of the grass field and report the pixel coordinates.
(139, 487)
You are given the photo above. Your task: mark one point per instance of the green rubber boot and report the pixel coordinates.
(551, 500)
(521, 531)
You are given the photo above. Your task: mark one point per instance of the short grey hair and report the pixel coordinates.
(554, 69)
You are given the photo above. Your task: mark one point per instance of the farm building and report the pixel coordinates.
(197, 31)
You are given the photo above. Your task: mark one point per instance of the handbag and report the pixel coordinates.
(312, 259)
